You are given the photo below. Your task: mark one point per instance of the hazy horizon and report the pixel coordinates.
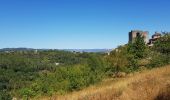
(59, 48)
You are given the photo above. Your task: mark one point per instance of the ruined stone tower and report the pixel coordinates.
(134, 33)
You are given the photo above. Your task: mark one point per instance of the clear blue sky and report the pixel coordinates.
(78, 23)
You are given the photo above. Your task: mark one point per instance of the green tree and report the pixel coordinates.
(118, 59)
(162, 45)
(161, 51)
(138, 47)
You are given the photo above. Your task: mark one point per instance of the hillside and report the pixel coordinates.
(147, 85)
(56, 74)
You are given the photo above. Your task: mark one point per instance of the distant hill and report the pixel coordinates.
(71, 50)
(15, 49)
(88, 50)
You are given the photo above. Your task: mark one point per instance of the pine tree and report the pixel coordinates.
(138, 48)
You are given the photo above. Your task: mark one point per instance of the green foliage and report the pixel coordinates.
(118, 59)
(26, 93)
(5, 96)
(157, 59)
(96, 66)
(161, 52)
(124, 59)
(37, 74)
(162, 45)
(135, 55)
(138, 48)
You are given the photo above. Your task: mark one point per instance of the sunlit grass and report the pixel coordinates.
(139, 86)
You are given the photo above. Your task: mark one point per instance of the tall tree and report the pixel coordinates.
(118, 59)
(138, 47)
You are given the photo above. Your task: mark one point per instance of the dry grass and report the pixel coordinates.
(147, 85)
(164, 93)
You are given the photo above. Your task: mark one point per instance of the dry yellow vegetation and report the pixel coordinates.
(147, 85)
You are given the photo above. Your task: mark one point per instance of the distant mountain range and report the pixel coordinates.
(16, 49)
(71, 50)
(88, 50)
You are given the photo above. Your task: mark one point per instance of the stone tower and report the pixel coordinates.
(134, 33)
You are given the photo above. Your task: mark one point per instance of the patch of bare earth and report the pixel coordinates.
(148, 85)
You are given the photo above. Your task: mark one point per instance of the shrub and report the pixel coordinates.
(157, 59)
(4, 95)
(27, 93)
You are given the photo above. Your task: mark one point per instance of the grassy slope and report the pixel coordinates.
(147, 85)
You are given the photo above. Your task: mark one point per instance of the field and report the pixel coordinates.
(145, 85)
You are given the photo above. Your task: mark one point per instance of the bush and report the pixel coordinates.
(157, 59)
(27, 93)
(5, 96)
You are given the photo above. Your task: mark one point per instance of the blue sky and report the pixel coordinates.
(62, 24)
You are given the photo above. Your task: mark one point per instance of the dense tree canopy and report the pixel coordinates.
(38, 74)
